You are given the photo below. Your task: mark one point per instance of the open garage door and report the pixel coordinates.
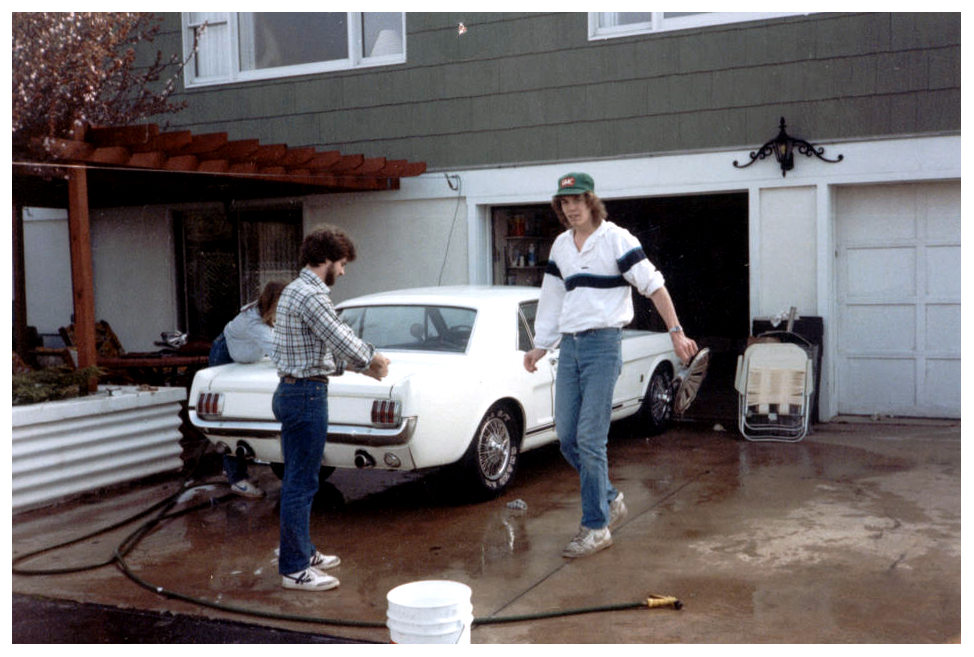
(899, 299)
(700, 243)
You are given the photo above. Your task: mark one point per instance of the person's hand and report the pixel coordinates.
(378, 368)
(531, 359)
(684, 347)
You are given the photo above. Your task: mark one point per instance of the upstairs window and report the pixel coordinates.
(610, 24)
(239, 46)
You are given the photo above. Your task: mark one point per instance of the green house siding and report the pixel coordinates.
(519, 88)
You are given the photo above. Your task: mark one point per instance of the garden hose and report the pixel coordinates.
(164, 512)
(652, 602)
(129, 543)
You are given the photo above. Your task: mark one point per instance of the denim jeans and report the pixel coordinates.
(219, 353)
(589, 363)
(302, 409)
(234, 468)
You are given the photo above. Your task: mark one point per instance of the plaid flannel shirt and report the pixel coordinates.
(309, 337)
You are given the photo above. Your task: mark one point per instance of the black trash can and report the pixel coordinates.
(812, 329)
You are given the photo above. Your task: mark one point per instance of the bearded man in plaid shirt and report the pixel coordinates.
(311, 344)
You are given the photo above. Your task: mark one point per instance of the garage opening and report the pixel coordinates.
(699, 242)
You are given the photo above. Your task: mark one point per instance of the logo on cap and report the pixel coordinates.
(568, 181)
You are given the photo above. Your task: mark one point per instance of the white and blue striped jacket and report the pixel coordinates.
(590, 289)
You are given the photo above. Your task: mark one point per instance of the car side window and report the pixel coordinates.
(525, 325)
(414, 328)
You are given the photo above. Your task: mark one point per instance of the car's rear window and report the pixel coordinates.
(415, 328)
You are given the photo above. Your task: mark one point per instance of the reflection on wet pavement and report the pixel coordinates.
(836, 530)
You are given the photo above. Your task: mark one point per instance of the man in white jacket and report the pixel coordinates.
(586, 300)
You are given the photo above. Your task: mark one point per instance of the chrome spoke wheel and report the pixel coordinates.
(494, 449)
(657, 408)
(660, 398)
(491, 459)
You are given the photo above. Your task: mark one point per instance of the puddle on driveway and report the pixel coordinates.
(752, 535)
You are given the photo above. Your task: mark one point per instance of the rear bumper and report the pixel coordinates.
(346, 447)
(225, 430)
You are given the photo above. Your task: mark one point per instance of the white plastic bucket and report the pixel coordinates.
(430, 611)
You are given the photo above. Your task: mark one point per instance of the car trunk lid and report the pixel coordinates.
(247, 393)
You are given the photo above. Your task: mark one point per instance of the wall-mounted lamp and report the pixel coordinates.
(783, 148)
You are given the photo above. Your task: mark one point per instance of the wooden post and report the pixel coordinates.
(82, 276)
(20, 286)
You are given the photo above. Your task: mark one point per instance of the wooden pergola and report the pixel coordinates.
(138, 165)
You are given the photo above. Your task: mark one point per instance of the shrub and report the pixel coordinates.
(52, 383)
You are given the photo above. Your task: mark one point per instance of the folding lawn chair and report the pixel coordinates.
(775, 382)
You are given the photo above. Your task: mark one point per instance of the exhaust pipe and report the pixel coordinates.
(245, 451)
(364, 460)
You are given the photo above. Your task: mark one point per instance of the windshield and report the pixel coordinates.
(414, 328)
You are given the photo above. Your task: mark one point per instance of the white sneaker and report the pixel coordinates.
(309, 579)
(617, 511)
(587, 541)
(245, 488)
(324, 561)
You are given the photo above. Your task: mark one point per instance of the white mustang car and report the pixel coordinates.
(457, 391)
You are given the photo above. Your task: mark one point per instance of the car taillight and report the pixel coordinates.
(386, 412)
(209, 404)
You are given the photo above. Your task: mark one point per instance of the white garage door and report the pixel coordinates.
(898, 318)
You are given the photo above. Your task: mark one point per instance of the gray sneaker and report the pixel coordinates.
(617, 511)
(309, 579)
(587, 541)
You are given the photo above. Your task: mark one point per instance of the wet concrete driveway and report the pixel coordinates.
(851, 536)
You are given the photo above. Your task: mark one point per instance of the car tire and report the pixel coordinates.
(491, 459)
(657, 408)
(325, 471)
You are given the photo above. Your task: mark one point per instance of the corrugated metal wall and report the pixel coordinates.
(67, 447)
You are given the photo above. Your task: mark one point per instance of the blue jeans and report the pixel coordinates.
(235, 469)
(302, 409)
(589, 363)
(219, 353)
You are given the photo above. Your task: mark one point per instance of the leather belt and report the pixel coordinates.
(576, 334)
(294, 379)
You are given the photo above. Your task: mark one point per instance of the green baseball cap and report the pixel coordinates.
(575, 183)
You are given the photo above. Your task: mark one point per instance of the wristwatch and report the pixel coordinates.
(676, 329)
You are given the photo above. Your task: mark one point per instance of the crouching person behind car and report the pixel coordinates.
(246, 338)
(310, 344)
(586, 299)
